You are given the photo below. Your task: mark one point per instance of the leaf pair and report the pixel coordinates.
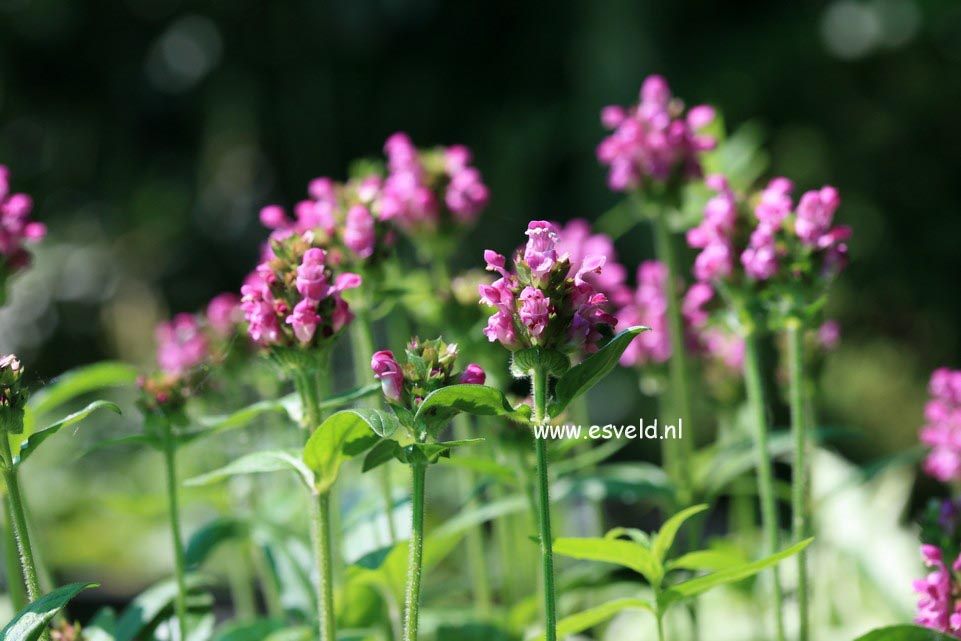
(648, 556)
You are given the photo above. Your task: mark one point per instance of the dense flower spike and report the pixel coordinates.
(16, 228)
(653, 140)
(938, 605)
(942, 429)
(294, 297)
(778, 246)
(545, 302)
(429, 367)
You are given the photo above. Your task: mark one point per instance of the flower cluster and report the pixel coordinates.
(16, 228)
(13, 397)
(776, 239)
(344, 219)
(942, 429)
(938, 605)
(224, 315)
(545, 303)
(293, 298)
(429, 367)
(579, 242)
(713, 340)
(418, 182)
(655, 139)
(648, 306)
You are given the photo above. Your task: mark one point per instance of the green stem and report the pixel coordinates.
(765, 473)
(415, 551)
(16, 591)
(240, 585)
(320, 535)
(180, 572)
(660, 628)
(677, 452)
(799, 482)
(362, 348)
(19, 521)
(539, 381)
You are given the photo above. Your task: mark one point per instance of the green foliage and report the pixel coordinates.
(207, 538)
(647, 555)
(150, 606)
(341, 437)
(30, 444)
(257, 463)
(585, 375)
(31, 622)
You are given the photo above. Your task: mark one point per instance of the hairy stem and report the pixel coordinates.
(18, 521)
(320, 536)
(173, 504)
(415, 551)
(765, 473)
(799, 476)
(539, 381)
(16, 591)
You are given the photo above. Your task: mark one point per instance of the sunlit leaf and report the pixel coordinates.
(32, 442)
(664, 539)
(145, 609)
(585, 375)
(479, 400)
(256, 463)
(698, 585)
(79, 381)
(711, 560)
(30, 622)
(342, 436)
(904, 633)
(618, 551)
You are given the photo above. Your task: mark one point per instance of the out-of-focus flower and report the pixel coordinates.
(16, 228)
(942, 429)
(181, 344)
(653, 140)
(577, 241)
(938, 605)
(544, 302)
(829, 335)
(473, 374)
(224, 314)
(648, 306)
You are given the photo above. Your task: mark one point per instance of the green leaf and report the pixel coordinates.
(150, 604)
(382, 452)
(584, 376)
(81, 380)
(664, 539)
(904, 633)
(255, 463)
(712, 560)
(698, 585)
(102, 626)
(32, 442)
(617, 551)
(342, 436)
(638, 536)
(594, 616)
(479, 400)
(129, 439)
(30, 622)
(205, 540)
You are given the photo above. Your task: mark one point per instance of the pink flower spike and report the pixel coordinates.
(274, 217)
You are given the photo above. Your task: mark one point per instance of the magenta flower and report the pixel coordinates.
(942, 429)
(359, 233)
(224, 313)
(473, 374)
(181, 345)
(304, 320)
(16, 228)
(938, 607)
(653, 140)
(388, 372)
(545, 302)
(829, 335)
(648, 306)
(294, 296)
(578, 243)
(815, 213)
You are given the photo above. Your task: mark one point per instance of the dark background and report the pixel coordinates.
(151, 131)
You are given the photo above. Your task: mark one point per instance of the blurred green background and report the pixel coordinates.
(151, 131)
